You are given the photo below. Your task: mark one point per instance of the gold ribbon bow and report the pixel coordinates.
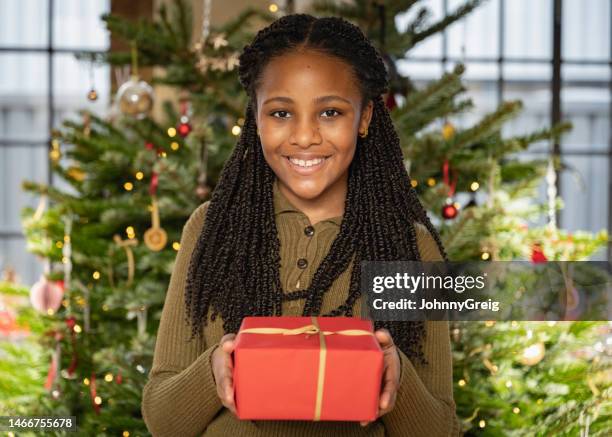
(311, 330)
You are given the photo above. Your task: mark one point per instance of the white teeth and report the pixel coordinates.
(308, 163)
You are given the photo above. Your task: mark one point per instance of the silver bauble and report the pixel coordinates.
(135, 98)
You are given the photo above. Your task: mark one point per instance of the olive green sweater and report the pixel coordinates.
(180, 397)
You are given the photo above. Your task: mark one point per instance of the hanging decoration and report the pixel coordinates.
(184, 126)
(203, 190)
(537, 253)
(155, 237)
(448, 131)
(46, 295)
(449, 210)
(127, 246)
(92, 95)
(56, 357)
(135, 97)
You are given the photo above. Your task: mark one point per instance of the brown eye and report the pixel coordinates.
(279, 112)
(328, 111)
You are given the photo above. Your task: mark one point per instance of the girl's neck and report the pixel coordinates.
(329, 204)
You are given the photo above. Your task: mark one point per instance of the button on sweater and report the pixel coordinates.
(180, 397)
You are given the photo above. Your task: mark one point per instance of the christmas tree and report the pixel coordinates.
(137, 179)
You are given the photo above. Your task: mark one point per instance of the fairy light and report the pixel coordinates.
(77, 328)
(431, 182)
(105, 307)
(50, 312)
(485, 255)
(108, 377)
(96, 275)
(128, 186)
(508, 384)
(66, 238)
(461, 383)
(139, 175)
(474, 186)
(273, 7)
(236, 130)
(126, 434)
(516, 410)
(482, 423)
(174, 145)
(171, 132)
(176, 245)
(97, 400)
(64, 260)
(59, 244)
(86, 381)
(414, 183)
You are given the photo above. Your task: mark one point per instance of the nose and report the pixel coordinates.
(305, 134)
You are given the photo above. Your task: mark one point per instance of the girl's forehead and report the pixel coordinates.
(304, 73)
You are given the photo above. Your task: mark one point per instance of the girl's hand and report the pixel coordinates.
(391, 373)
(222, 367)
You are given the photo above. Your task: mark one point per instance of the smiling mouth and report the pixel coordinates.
(307, 163)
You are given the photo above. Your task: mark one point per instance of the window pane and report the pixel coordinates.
(528, 28)
(23, 96)
(77, 24)
(478, 32)
(24, 23)
(585, 191)
(586, 29)
(529, 83)
(430, 47)
(72, 81)
(419, 71)
(13, 254)
(33, 165)
(480, 80)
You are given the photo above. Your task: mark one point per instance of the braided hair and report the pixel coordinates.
(234, 269)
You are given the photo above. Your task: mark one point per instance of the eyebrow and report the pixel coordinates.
(321, 99)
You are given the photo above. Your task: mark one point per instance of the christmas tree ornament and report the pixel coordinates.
(127, 246)
(184, 126)
(448, 131)
(449, 210)
(537, 253)
(390, 101)
(46, 295)
(533, 354)
(93, 394)
(92, 95)
(135, 97)
(155, 237)
(203, 190)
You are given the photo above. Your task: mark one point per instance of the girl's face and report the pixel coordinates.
(309, 115)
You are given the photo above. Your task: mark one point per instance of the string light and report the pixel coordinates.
(174, 145)
(128, 186)
(474, 186)
(482, 423)
(126, 434)
(96, 275)
(273, 7)
(236, 130)
(50, 311)
(97, 400)
(516, 410)
(77, 329)
(108, 377)
(508, 384)
(86, 381)
(461, 383)
(485, 255)
(139, 175)
(59, 244)
(171, 132)
(66, 238)
(431, 182)
(176, 245)
(414, 183)
(64, 260)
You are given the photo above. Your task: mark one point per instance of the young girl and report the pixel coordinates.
(315, 185)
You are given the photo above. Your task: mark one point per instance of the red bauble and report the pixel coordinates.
(537, 254)
(449, 211)
(184, 129)
(46, 295)
(70, 322)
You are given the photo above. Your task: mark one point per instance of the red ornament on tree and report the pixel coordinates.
(184, 127)
(449, 210)
(390, 101)
(537, 254)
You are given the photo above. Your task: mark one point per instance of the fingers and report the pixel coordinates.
(223, 370)
(390, 382)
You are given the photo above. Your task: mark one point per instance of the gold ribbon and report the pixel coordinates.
(311, 330)
(125, 244)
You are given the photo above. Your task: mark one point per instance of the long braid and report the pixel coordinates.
(234, 269)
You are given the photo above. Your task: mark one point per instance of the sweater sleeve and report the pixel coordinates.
(425, 403)
(180, 396)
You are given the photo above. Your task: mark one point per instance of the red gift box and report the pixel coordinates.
(307, 368)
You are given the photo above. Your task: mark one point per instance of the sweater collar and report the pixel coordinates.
(282, 205)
